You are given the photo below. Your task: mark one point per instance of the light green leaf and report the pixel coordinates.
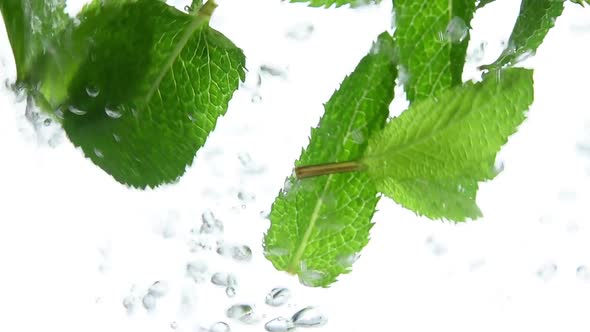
(581, 2)
(338, 3)
(431, 157)
(320, 224)
(32, 27)
(141, 86)
(432, 37)
(534, 21)
(483, 3)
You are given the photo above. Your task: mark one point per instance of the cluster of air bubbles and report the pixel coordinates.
(197, 271)
(149, 300)
(300, 32)
(310, 277)
(455, 32)
(306, 317)
(547, 271)
(227, 280)
(45, 129)
(210, 224)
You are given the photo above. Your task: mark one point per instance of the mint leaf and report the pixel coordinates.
(142, 87)
(320, 224)
(534, 21)
(432, 37)
(338, 3)
(431, 158)
(483, 3)
(581, 2)
(32, 27)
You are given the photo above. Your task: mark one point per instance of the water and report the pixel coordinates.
(300, 32)
(196, 270)
(278, 296)
(279, 324)
(210, 224)
(98, 153)
(309, 317)
(241, 253)
(158, 289)
(149, 301)
(129, 304)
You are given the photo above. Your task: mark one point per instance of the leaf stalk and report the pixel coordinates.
(309, 171)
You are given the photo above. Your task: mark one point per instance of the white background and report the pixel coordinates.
(73, 242)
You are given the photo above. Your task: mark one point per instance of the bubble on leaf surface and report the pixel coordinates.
(279, 324)
(112, 113)
(547, 271)
(219, 327)
(309, 317)
(98, 153)
(92, 91)
(457, 30)
(278, 296)
(76, 111)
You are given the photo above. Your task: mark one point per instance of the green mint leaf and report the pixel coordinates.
(148, 86)
(534, 21)
(320, 224)
(483, 3)
(431, 158)
(32, 27)
(432, 37)
(338, 3)
(581, 2)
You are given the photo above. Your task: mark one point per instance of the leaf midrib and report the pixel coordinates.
(292, 267)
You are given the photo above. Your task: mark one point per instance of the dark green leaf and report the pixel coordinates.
(534, 21)
(320, 224)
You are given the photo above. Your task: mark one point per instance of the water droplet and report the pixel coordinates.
(92, 91)
(230, 291)
(117, 138)
(192, 118)
(76, 111)
(256, 98)
(158, 289)
(187, 8)
(457, 30)
(210, 225)
(403, 75)
(309, 317)
(583, 273)
(357, 136)
(173, 325)
(278, 296)
(273, 71)
(242, 312)
(114, 114)
(224, 279)
(98, 153)
(219, 327)
(149, 301)
(47, 122)
(129, 303)
(240, 253)
(300, 31)
(547, 271)
(279, 324)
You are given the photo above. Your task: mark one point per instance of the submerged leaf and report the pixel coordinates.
(32, 27)
(431, 158)
(432, 37)
(143, 84)
(319, 222)
(534, 21)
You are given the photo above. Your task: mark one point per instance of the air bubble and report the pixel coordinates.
(302, 31)
(129, 304)
(241, 312)
(219, 327)
(309, 317)
(76, 111)
(92, 91)
(279, 324)
(241, 253)
(230, 291)
(358, 136)
(278, 296)
(457, 30)
(98, 153)
(224, 279)
(112, 113)
(583, 273)
(210, 225)
(149, 301)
